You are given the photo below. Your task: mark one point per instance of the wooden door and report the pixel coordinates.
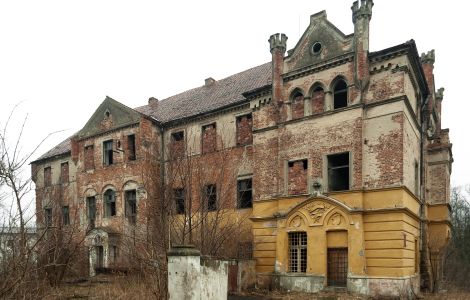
(337, 266)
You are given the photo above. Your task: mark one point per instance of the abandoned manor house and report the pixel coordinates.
(327, 166)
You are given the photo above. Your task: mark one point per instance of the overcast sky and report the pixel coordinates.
(61, 58)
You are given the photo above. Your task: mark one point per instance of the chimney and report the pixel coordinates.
(153, 101)
(209, 81)
(427, 62)
(361, 15)
(277, 46)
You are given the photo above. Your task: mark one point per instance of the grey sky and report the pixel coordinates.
(63, 57)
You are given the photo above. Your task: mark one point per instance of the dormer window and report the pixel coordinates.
(340, 94)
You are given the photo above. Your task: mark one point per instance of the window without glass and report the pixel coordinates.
(244, 130)
(179, 195)
(131, 147)
(177, 144)
(297, 252)
(211, 197)
(297, 174)
(48, 216)
(340, 94)
(245, 193)
(89, 158)
(131, 205)
(209, 141)
(64, 172)
(47, 176)
(338, 172)
(65, 215)
(91, 210)
(109, 203)
(108, 152)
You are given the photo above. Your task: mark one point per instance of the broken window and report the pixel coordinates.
(91, 210)
(297, 177)
(47, 176)
(297, 105)
(318, 100)
(108, 152)
(109, 203)
(340, 94)
(211, 197)
(338, 172)
(48, 216)
(131, 205)
(297, 252)
(89, 158)
(65, 215)
(131, 153)
(209, 139)
(245, 193)
(64, 172)
(177, 144)
(179, 195)
(114, 253)
(244, 130)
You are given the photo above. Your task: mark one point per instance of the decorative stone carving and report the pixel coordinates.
(335, 220)
(296, 222)
(317, 210)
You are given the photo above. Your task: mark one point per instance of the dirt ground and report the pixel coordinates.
(129, 287)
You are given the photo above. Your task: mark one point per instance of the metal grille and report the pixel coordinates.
(337, 266)
(297, 252)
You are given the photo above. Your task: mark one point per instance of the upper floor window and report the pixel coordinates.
(177, 144)
(65, 215)
(297, 252)
(244, 130)
(91, 210)
(179, 195)
(48, 216)
(297, 173)
(209, 138)
(211, 197)
(109, 203)
(64, 172)
(318, 99)
(340, 94)
(338, 172)
(297, 99)
(131, 153)
(131, 205)
(245, 193)
(89, 158)
(47, 176)
(108, 152)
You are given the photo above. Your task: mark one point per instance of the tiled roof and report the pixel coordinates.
(196, 101)
(207, 98)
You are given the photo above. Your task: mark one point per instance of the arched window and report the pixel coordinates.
(109, 203)
(297, 104)
(318, 99)
(340, 94)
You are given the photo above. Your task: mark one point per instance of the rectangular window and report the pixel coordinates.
(108, 152)
(297, 177)
(109, 203)
(89, 158)
(47, 176)
(417, 181)
(297, 252)
(64, 172)
(244, 130)
(91, 210)
(131, 147)
(338, 172)
(131, 205)
(211, 197)
(48, 217)
(177, 144)
(179, 195)
(245, 193)
(65, 215)
(209, 138)
(114, 253)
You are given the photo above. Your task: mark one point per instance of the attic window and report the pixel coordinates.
(316, 48)
(107, 114)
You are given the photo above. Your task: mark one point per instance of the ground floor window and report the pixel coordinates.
(297, 252)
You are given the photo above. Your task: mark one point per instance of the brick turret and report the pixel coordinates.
(277, 46)
(361, 15)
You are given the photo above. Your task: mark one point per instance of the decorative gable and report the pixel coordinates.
(109, 115)
(320, 42)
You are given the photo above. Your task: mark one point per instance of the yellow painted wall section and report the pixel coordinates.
(337, 239)
(438, 212)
